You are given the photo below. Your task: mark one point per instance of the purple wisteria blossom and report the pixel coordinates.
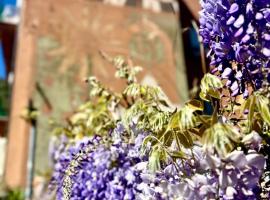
(94, 168)
(238, 35)
(234, 177)
(103, 173)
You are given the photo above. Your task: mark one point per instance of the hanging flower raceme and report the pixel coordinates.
(238, 35)
(94, 169)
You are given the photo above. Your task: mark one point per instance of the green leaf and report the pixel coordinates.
(145, 142)
(213, 93)
(133, 90)
(204, 96)
(158, 120)
(118, 61)
(221, 137)
(251, 109)
(78, 117)
(174, 122)
(154, 161)
(209, 87)
(184, 138)
(178, 154)
(195, 105)
(210, 81)
(263, 104)
(157, 155)
(137, 110)
(187, 118)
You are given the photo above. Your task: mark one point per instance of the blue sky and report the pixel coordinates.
(2, 63)
(12, 2)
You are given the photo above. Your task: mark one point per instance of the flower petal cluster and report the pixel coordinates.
(238, 35)
(94, 169)
(234, 177)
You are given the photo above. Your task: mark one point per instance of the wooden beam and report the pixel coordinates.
(15, 170)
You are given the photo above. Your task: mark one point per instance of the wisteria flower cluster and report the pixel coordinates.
(238, 35)
(236, 176)
(96, 169)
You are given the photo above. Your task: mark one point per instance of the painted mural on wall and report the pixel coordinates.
(67, 51)
(58, 92)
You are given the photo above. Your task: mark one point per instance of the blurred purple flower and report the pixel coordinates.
(238, 35)
(103, 172)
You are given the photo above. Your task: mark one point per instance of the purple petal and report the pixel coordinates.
(245, 39)
(253, 139)
(239, 32)
(266, 52)
(230, 21)
(232, 177)
(249, 8)
(256, 160)
(234, 8)
(220, 67)
(212, 161)
(214, 70)
(239, 22)
(199, 179)
(266, 13)
(259, 16)
(223, 179)
(206, 190)
(238, 75)
(246, 94)
(266, 36)
(226, 72)
(228, 83)
(235, 92)
(238, 158)
(230, 192)
(234, 86)
(250, 29)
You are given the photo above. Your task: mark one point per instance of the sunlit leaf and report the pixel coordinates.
(158, 120)
(133, 90)
(221, 137)
(174, 121)
(184, 138)
(251, 111)
(178, 154)
(213, 93)
(187, 118)
(78, 117)
(154, 160)
(157, 155)
(118, 61)
(204, 96)
(146, 141)
(209, 87)
(195, 105)
(263, 105)
(183, 119)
